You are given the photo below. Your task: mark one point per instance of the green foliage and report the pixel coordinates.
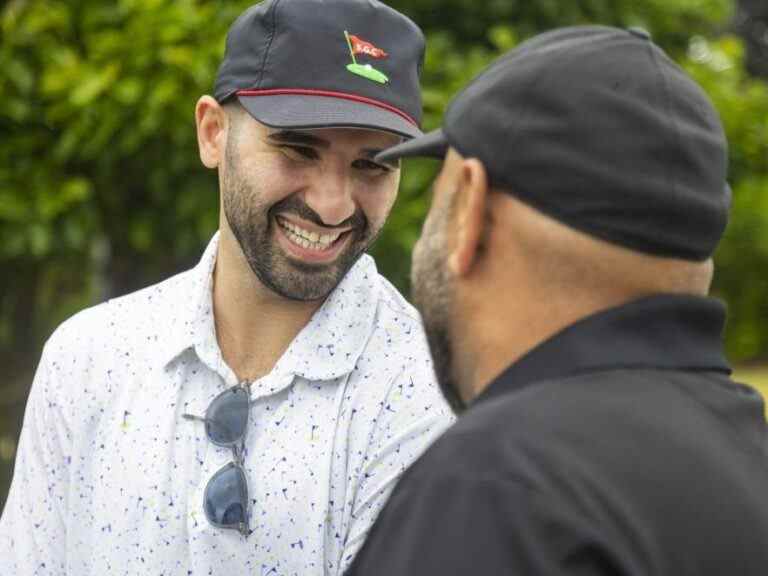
(672, 21)
(101, 189)
(743, 255)
(99, 149)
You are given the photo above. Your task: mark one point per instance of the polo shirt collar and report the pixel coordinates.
(330, 344)
(193, 300)
(665, 332)
(328, 347)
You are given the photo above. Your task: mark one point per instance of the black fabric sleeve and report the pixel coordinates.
(470, 526)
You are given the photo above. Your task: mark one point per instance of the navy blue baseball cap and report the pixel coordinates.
(325, 64)
(598, 128)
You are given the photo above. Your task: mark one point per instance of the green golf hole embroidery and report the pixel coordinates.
(368, 71)
(364, 70)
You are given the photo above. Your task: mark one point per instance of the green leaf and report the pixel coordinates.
(94, 85)
(39, 238)
(72, 192)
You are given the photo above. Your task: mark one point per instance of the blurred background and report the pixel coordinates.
(102, 192)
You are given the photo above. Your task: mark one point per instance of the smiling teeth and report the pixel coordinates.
(307, 239)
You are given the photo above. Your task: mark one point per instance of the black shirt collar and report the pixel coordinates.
(658, 332)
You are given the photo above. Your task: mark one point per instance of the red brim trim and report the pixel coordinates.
(329, 94)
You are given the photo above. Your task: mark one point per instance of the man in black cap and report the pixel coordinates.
(562, 274)
(249, 416)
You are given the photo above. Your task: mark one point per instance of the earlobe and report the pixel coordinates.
(211, 123)
(470, 216)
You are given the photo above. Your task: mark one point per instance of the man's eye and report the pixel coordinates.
(370, 165)
(300, 152)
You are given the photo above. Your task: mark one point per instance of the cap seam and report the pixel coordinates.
(668, 109)
(273, 8)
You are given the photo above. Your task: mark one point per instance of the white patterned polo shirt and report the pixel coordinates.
(109, 476)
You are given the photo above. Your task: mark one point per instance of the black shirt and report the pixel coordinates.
(619, 446)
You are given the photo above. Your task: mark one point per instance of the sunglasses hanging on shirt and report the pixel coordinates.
(225, 500)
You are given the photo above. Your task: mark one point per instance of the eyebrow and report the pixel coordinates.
(305, 139)
(294, 137)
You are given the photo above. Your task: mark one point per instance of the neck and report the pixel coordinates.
(497, 331)
(254, 326)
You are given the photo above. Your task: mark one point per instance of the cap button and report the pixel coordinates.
(639, 32)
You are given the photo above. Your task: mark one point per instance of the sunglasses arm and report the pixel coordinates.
(193, 417)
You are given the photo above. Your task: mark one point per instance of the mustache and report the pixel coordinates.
(294, 205)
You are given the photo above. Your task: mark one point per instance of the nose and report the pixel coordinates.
(331, 195)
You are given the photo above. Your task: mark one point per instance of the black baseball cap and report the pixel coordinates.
(325, 64)
(598, 128)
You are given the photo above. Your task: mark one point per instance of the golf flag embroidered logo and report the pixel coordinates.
(359, 46)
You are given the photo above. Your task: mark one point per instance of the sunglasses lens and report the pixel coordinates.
(226, 497)
(227, 416)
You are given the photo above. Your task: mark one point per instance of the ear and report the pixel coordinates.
(469, 216)
(212, 125)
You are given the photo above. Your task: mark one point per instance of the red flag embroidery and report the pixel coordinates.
(360, 46)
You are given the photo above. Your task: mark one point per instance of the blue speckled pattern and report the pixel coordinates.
(109, 477)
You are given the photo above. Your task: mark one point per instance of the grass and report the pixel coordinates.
(756, 377)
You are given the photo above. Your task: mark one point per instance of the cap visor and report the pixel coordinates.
(306, 111)
(432, 145)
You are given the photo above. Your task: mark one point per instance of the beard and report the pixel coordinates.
(433, 295)
(252, 222)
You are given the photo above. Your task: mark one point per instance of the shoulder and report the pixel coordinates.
(396, 357)
(122, 321)
(393, 302)
(105, 347)
(393, 374)
(523, 438)
(571, 435)
(397, 329)
(380, 333)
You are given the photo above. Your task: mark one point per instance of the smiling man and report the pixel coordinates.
(251, 415)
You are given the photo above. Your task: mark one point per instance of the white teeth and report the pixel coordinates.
(307, 239)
